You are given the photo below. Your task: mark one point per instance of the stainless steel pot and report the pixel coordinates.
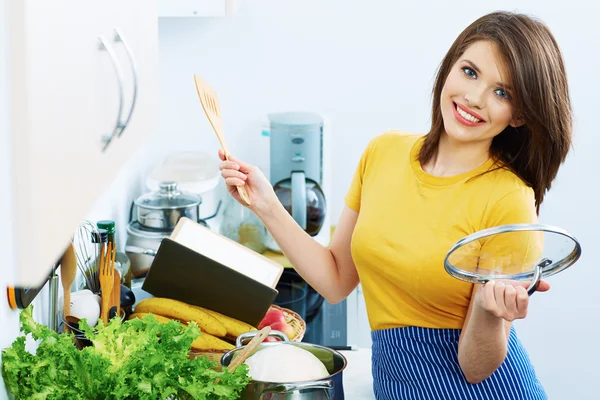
(141, 247)
(162, 210)
(328, 388)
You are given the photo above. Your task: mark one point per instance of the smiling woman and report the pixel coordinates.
(501, 127)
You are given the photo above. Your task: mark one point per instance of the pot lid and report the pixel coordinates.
(167, 197)
(526, 252)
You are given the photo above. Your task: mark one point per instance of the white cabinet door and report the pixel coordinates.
(65, 96)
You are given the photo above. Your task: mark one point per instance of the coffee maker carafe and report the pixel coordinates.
(298, 151)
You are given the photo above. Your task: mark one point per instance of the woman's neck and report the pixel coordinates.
(455, 158)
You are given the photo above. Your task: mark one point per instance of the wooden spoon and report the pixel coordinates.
(248, 349)
(210, 104)
(71, 320)
(68, 270)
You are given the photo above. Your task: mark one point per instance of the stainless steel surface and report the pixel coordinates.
(249, 335)
(53, 303)
(119, 38)
(565, 250)
(162, 210)
(141, 247)
(299, 198)
(139, 250)
(106, 139)
(302, 390)
(328, 388)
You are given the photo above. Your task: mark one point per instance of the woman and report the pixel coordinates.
(501, 127)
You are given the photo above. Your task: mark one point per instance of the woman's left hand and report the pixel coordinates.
(507, 299)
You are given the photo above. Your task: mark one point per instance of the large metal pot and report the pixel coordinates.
(162, 210)
(328, 388)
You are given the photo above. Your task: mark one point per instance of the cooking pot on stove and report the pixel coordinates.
(153, 217)
(328, 388)
(162, 210)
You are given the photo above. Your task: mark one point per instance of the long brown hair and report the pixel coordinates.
(535, 65)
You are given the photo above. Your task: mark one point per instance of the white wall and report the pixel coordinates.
(370, 67)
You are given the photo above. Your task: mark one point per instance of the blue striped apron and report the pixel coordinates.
(415, 363)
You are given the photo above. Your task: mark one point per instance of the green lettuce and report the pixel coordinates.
(139, 359)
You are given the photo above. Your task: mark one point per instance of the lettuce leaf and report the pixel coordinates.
(138, 359)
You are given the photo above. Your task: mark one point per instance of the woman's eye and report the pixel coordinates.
(469, 72)
(502, 93)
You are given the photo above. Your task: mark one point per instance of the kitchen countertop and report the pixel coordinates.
(358, 380)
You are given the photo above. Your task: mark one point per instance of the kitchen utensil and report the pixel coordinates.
(107, 270)
(115, 300)
(523, 252)
(53, 299)
(162, 210)
(248, 349)
(328, 388)
(72, 320)
(141, 247)
(210, 104)
(87, 249)
(68, 270)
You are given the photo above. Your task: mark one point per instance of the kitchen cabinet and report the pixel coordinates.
(82, 80)
(197, 8)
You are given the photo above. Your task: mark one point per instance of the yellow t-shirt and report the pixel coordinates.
(409, 219)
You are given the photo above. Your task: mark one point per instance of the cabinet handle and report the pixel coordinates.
(119, 38)
(106, 139)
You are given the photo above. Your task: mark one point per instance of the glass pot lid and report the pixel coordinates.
(515, 252)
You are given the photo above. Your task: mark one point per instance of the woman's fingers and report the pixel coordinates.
(229, 165)
(522, 301)
(234, 182)
(499, 294)
(510, 301)
(231, 173)
(243, 166)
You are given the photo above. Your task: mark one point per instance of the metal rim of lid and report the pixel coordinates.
(551, 269)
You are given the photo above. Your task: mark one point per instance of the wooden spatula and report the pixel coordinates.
(210, 104)
(107, 273)
(68, 270)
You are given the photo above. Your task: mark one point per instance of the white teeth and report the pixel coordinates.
(466, 115)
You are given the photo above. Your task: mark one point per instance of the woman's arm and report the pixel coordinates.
(330, 271)
(483, 342)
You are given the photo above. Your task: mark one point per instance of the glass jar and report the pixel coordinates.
(242, 225)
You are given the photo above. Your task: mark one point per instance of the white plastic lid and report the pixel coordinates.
(195, 172)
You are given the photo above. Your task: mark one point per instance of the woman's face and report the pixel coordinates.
(476, 100)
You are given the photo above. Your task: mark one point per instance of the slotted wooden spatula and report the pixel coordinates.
(210, 104)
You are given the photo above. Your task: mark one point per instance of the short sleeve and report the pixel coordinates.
(353, 196)
(511, 252)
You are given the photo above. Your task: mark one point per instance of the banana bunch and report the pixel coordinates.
(214, 326)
